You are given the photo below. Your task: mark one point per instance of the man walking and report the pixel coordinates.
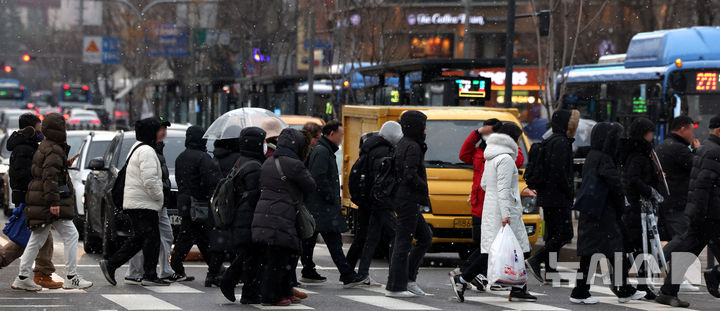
(557, 192)
(324, 204)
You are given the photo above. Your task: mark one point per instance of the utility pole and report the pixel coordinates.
(311, 62)
(466, 37)
(509, 48)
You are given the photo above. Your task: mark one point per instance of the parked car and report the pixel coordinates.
(82, 119)
(106, 226)
(93, 145)
(10, 119)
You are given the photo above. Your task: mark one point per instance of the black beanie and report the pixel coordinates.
(28, 119)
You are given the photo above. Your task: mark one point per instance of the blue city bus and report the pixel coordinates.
(664, 74)
(12, 94)
(73, 95)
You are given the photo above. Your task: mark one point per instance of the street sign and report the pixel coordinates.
(101, 50)
(167, 40)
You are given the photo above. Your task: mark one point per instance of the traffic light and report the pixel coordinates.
(7, 68)
(544, 23)
(26, 57)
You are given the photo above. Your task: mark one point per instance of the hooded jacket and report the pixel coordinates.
(409, 159)
(275, 214)
(558, 190)
(472, 153)
(502, 192)
(144, 177)
(704, 187)
(604, 235)
(676, 159)
(49, 172)
(324, 202)
(226, 154)
(22, 144)
(376, 147)
(195, 171)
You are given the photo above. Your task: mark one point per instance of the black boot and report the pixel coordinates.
(712, 280)
(521, 294)
(212, 279)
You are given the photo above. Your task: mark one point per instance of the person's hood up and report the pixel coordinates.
(146, 130)
(498, 144)
(293, 142)
(392, 132)
(251, 142)
(565, 122)
(605, 137)
(25, 136)
(225, 147)
(413, 125)
(374, 141)
(640, 127)
(53, 127)
(194, 138)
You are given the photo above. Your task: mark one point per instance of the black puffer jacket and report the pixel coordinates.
(22, 144)
(247, 185)
(195, 171)
(704, 188)
(676, 159)
(409, 159)
(604, 235)
(558, 190)
(226, 154)
(324, 202)
(275, 214)
(376, 148)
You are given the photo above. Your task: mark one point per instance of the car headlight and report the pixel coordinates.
(529, 204)
(4, 168)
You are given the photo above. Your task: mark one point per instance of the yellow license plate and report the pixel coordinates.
(463, 223)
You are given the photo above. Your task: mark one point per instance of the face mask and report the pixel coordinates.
(39, 136)
(265, 148)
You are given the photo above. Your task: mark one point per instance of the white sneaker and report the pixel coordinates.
(415, 289)
(587, 301)
(369, 282)
(637, 296)
(685, 286)
(76, 282)
(27, 284)
(403, 294)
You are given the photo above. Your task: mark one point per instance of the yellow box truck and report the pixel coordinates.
(449, 180)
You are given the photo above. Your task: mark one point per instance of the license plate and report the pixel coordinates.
(463, 223)
(175, 220)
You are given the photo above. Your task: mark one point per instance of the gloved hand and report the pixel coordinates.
(656, 196)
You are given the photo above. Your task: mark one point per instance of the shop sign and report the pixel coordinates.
(443, 19)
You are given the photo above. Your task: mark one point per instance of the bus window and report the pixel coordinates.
(701, 108)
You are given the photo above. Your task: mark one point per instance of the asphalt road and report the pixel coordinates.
(328, 296)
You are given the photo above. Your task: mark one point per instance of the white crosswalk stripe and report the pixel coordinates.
(290, 307)
(503, 303)
(141, 302)
(174, 288)
(387, 302)
(638, 304)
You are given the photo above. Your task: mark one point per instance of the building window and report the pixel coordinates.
(490, 45)
(429, 46)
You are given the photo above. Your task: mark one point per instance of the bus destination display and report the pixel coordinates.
(473, 88)
(706, 81)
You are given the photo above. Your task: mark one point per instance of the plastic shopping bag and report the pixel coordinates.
(506, 262)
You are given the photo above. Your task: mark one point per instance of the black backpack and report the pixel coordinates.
(535, 170)
(358, 183)
(118, 189)
(223, 204)
(386, 180)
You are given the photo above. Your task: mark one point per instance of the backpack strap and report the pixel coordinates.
(132, 152)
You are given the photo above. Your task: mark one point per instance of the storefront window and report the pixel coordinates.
(429, 46)
(490, 45)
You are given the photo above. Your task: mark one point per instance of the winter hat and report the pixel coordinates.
(413, 125)
(272, 127)
(194, 138)
(640, 127)
(251, 142)
(28, 119)
(146, 130)
(392, 131)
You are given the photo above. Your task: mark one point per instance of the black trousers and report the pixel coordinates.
(333, 240)
(582, 287)
(380, 221)
(146, 237)
(406, 257)
(676, 224)
(558, 223)
(190, 233)
(477, 237)
(693, 241)
(360, 238)
(277, 277)
(246, 267)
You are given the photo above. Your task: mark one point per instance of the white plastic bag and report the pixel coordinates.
(506, 262)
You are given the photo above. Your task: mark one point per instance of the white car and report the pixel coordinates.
(10, 119)
(94, 145)
(83, 119)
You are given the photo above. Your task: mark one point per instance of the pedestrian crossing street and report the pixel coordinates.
(321, 298)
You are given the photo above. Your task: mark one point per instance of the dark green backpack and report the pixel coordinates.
(223, 203)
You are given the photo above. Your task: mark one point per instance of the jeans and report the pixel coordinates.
(190, 233)
(276, 279)
(694, 240)
(477, 238)
(406, 257)
(246, 267)
(380, 221)
(558, 221)
(146, 237)
(43, 261)
(582, 288)
(166, 240)
(38, 237)
(360, 238)
(333, 240)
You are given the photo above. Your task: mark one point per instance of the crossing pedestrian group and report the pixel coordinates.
(266, 194)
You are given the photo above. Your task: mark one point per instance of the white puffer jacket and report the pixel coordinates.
(143, 180)
(502, 192)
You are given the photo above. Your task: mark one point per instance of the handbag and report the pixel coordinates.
(304, 221)
(199, 210)
(15, 228)
(592, 195)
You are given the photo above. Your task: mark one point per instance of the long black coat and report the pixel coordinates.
(603, 235)
(705, 183)
(195, 171)
(324, 203)
(639, 175)
(676, 159)
(275, 215)
(558, 188)
(23, 145)
(247, 188)
(376, 148)
(222, 239)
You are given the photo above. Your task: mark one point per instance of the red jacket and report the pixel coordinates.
(471, 153)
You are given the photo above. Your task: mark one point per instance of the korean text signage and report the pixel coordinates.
(443, 19)
(101, 50)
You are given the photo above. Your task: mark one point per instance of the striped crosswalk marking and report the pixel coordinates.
(290, 307)
(174, 288)
(637, 304)
(141, 302)
(388, 303)
(503, 303)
